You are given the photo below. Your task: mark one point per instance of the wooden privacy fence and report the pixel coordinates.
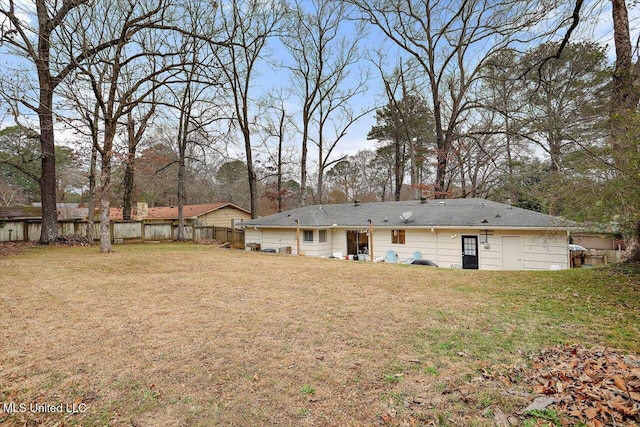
(123, 231)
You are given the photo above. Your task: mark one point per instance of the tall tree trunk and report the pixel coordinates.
(280, 144)
(105, 186)
(251, 172)
(441, 147)
(49, 230)
(183, 139)
(625, 107)
(128, 184)
(182, 196)
(412, 140)
(398, 171)
(92, 192)
(320, 158)
(303, 166)
(105, 205)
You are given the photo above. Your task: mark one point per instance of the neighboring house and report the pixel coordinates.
(454, 233)
(598, 241)
(216, 214)
(66, 211)
(600, 236)
(82, 213)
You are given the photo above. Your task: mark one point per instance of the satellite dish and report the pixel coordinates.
(405, 216)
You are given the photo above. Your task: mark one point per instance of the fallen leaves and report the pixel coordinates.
(72, 240)
(599, 386)
(13, 248)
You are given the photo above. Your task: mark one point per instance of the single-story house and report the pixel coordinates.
(453, 233)
(209, 214)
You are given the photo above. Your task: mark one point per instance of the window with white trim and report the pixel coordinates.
(398, 237)
(307, 236)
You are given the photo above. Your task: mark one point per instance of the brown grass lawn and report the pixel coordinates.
(192, 335)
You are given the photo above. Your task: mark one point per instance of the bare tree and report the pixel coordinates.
(77, 97)
(10, 194)
(135, 126)
(197, 89)
(501, 100)
(451, 41)
(121, 79)
(277, 125)
(324, 58)
(246, 25)
(45, 39)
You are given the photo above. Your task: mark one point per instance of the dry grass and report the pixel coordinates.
(193, 335)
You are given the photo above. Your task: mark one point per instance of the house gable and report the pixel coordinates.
(216, 214)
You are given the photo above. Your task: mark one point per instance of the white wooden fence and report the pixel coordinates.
(122, 231)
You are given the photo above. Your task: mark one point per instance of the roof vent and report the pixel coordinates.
(441, 203)
(423, 200)
(356, 202)
(485, 221)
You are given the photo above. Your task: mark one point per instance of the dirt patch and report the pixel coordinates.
(13, 248)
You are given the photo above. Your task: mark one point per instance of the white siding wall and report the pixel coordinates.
(338, 241)
(544, 249)
(272, 239)
(450, 248)
(252, 235)
(540, 250)
(325, 248)
(279, 238)
(314, 248)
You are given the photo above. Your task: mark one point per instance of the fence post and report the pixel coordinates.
(142, 229)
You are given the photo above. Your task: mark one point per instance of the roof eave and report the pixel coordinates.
(394, 226)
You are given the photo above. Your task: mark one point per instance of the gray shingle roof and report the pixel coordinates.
(478, 213)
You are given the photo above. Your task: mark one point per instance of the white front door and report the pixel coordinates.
(512, 253)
